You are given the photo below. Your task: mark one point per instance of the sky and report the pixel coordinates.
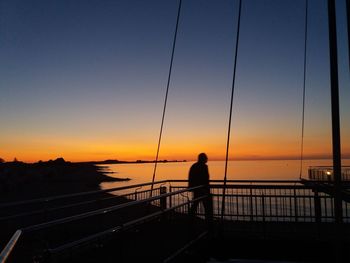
(86, 79)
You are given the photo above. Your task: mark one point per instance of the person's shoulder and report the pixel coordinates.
(194, 165)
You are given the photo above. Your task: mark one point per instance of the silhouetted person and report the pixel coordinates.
(199, 176)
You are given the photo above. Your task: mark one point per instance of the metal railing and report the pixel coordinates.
(246, 201)
(62, 251)
(325, 173)
(6, 252)
(89, 194)
(57, 243)
(272, 201)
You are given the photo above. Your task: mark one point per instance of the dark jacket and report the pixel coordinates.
(198, 175)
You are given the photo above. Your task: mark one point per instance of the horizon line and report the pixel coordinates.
(271, 158)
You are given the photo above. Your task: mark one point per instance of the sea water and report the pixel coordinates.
(237, 170)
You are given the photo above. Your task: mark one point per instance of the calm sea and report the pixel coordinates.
(237, 170)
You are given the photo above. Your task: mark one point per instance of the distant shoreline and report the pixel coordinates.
(21, 181)
(234, 159)
(214, 160)
(132, 162)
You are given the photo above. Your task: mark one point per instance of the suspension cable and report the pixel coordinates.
(231, 106)
(166, 95)
(304, 84)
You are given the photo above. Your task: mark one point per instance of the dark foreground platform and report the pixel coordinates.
(291, 223)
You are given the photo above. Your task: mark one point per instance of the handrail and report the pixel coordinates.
(330, 166)
(162, 182)
(103, 210)
(251, 186)
(119, 228)
(48, 210)
(48, 199)
(5, 253)
(271, 186)
(158, 182)
(245, 181)
(188, 245)
(11, 244)
(264, 182)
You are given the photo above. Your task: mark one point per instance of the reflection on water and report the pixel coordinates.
(237, 170)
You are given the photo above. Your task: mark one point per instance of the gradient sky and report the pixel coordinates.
(85, 79)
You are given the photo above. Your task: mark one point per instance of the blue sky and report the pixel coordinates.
(86, 79)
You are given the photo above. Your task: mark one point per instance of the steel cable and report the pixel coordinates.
(166, 95)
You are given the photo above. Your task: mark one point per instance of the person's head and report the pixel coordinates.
(202, 158)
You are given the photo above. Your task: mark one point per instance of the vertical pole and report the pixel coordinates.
(263, 213)
(295, 206)
(263, 206)
(338, 213)
(163, 199)
(335, 111)
(317, 204)
(251, 205)
(170, 197)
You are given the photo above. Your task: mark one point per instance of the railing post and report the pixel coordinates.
(263, 213)
(163, 199)
(263, 206)
(295, 206)
(317, 204)
(251, 204)
(170, 197)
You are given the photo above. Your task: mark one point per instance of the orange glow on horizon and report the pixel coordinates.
(179, 147)
(100, 152)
